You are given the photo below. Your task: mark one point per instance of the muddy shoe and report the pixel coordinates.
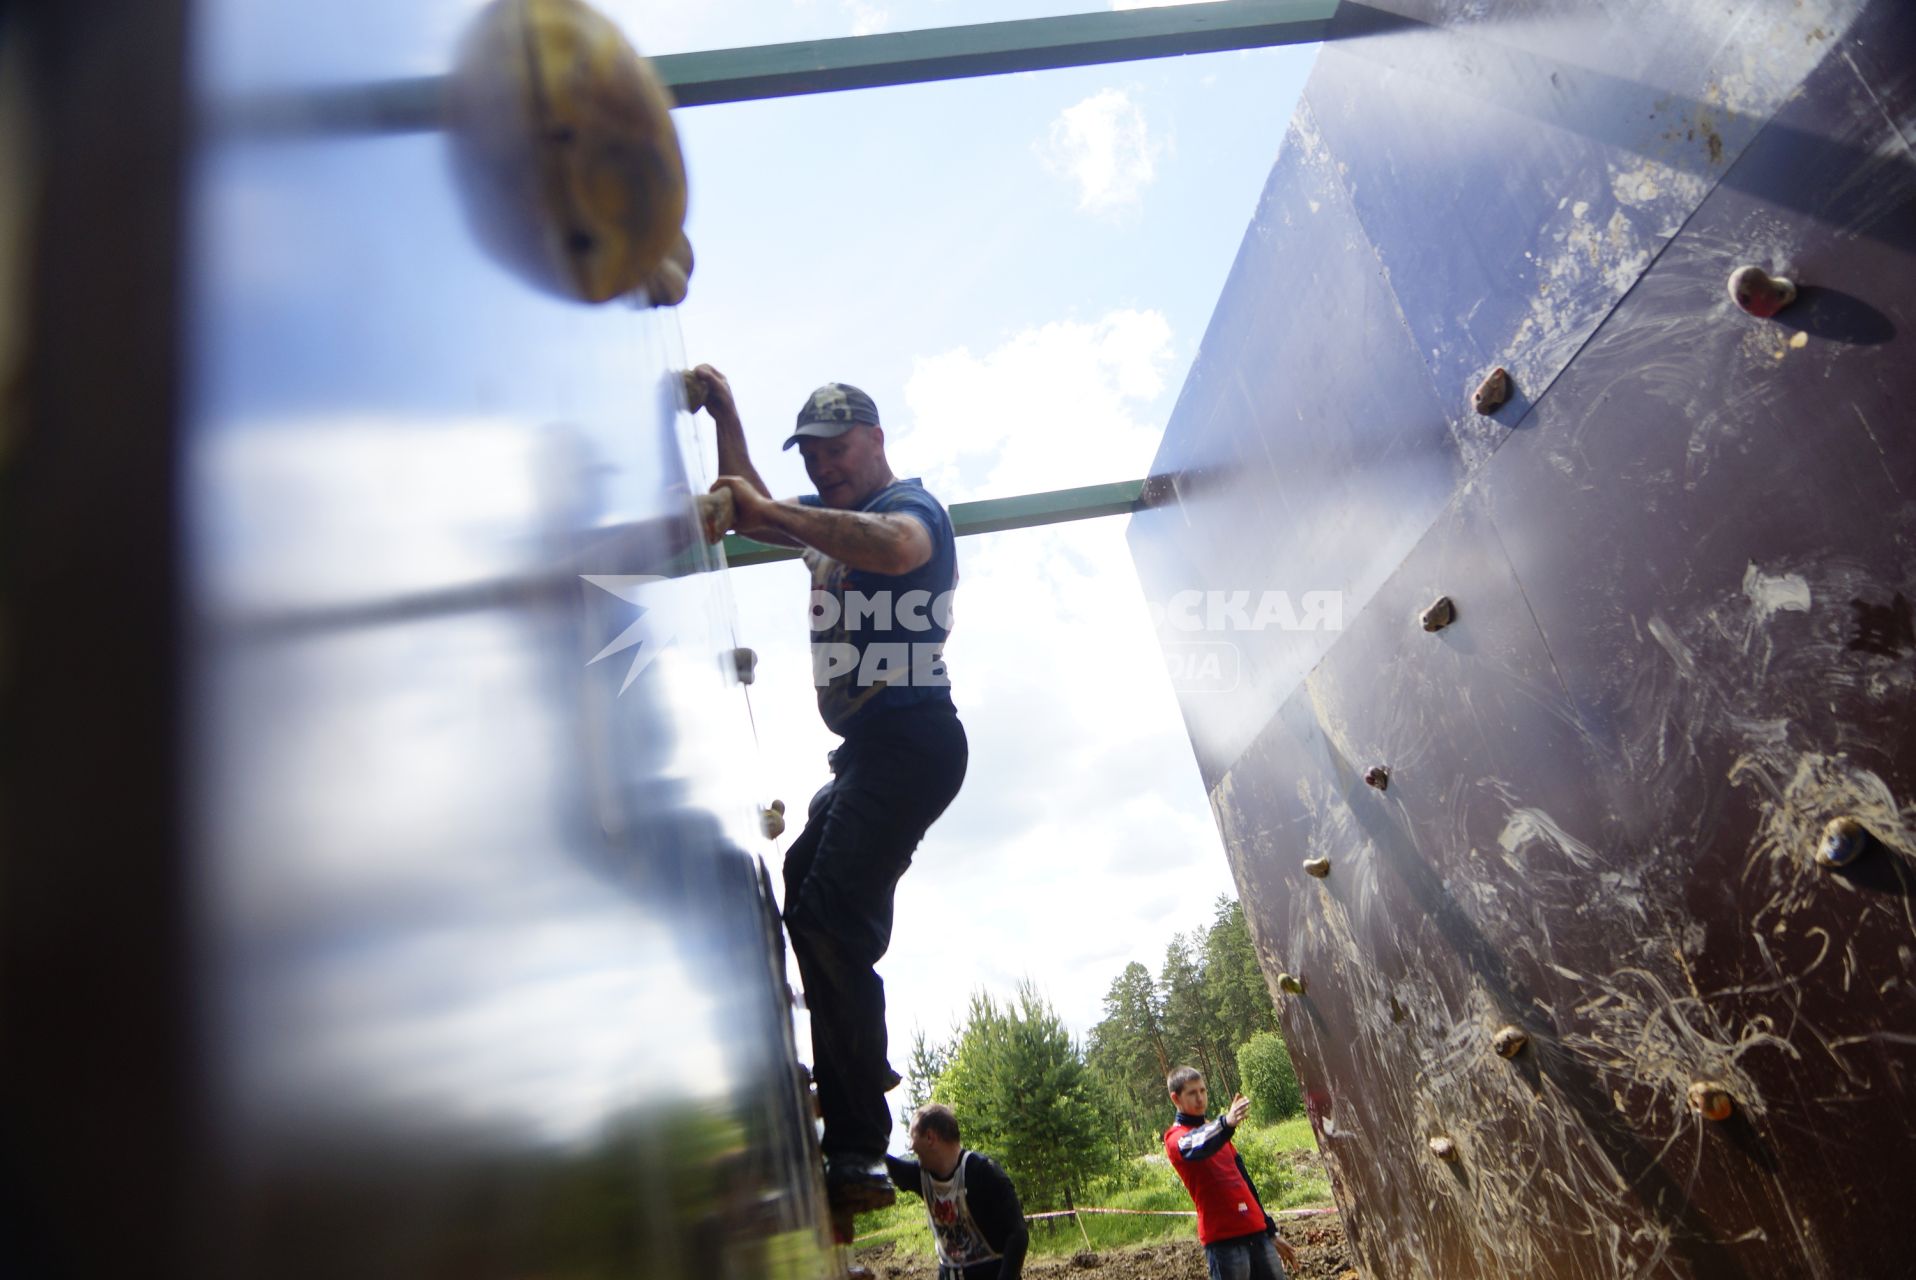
(858, 1183)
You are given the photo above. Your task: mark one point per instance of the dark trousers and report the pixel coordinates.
(976, 1271)
(891, 780)
(1252, 1257)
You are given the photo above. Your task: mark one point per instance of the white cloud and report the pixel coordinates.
(1104, 146)
(1063, 404)
(1151, 4)
(1082, 838)
(867, 19)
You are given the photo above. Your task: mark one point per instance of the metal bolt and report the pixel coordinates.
(1843, 842)
(1444, 1149)
(1760, 293)
(1290, 983)
(1711, 1101)
(771, 820)
(1492, 392)
(1509, 1041)
(745, 665)
(1378, 776)
(1439, 615)
(1319, 867)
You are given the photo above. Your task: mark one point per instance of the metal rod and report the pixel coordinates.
(991, 515)
(636, 548)
(988, 49)
(713, 76)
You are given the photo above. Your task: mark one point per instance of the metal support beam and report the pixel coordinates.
(554, 586)
(989, 49)
(1087, 502)
(852, 62)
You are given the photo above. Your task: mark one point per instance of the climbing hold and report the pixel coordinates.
(564, 148)
(1443, 1148)
(1711, 1101)
(1509, 1041)
(1319, 867)
(1843, 842)
(771, 820)
(1290, 983)
(745, 665)
(1760, 293)
(1378, 776)
(1492, 392)
(1439, 615)
(717, 512)
(668, 286)
(694, 391)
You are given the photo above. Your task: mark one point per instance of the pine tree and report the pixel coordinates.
(1190, 1029)
(1233, 983)
(1129, 1053)
(928, 1061)
(1024, 1096)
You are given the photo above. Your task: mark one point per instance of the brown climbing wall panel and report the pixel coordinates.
(1681, 559)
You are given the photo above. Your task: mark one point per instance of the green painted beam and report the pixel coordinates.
(561, 583)
(988, 49)
(851, 62)
(1087, 502)
(742, 551)
(993, 515)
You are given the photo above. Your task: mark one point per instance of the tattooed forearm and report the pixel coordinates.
(888, 544)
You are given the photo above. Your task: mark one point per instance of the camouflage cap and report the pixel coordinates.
(832, 410)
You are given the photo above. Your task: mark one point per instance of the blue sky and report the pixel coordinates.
(1019, 270)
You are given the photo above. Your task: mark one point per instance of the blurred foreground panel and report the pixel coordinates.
(354, 921)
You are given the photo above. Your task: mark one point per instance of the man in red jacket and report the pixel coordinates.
(1240, 1239)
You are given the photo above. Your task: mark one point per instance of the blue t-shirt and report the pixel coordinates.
(878, 639)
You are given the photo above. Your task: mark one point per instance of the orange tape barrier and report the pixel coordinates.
(1283, 1215)
(1172, 1213)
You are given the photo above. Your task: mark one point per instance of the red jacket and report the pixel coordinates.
(1227, 1203)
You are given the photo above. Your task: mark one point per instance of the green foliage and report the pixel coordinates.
(1278, 1159)
(1189, 1020)
(928, 1062)
(1208, 999)
(903, 1224)
(1056, 1113)
(1023, 1095)
(1276, 1156)
(1128, 1054)
(1233, 984)
(1146, 1182)
(1310, 1190)
(1270, 1082)
(1295, 1134)
(1265, 1161)
(1143, 1183)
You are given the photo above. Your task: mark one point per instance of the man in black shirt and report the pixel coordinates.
(976, 1219)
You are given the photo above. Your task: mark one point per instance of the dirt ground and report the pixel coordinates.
(1321, 1255)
